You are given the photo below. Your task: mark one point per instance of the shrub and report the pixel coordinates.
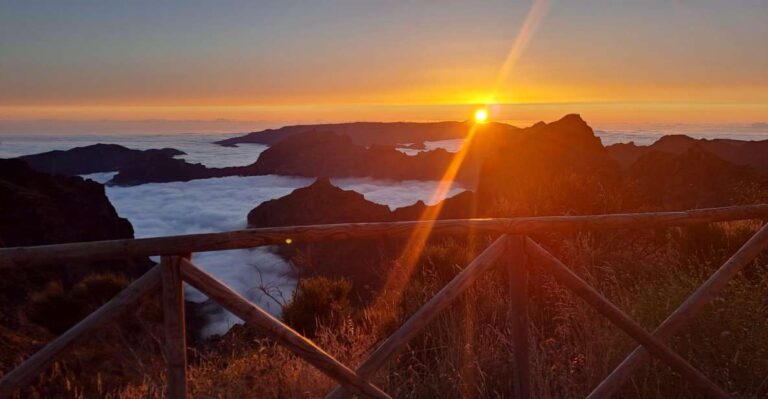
(53, 309)
(318, 301)
(58, 309)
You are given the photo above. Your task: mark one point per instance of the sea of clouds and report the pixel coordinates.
(199, 148)
(221, 204)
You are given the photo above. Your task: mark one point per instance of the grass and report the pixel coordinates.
(467, 351)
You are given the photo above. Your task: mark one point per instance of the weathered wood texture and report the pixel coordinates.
(685, 312)
(278, 331)
(39, 361)
(516, 260)
(656, 347)
(175, 347)
(427, 313)
(171, 245)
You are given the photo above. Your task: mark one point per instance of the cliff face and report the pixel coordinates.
(37, 209)
(95, 158)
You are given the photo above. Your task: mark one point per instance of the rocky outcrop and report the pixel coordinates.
(37, 209)
(95, 158)
(739, 152)
(319, 203)
(323, 203)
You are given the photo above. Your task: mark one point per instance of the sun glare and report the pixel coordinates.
(481, 115)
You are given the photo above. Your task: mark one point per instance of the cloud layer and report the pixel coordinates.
(221, 204)
(199, 147)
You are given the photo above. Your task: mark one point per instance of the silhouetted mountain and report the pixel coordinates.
(330, 154)
(316, 154)
(461, 206)
(364, 262)
(626, 154)
(38, 208)
(695, 178)
(95, 158)
(739, 152)
(319, 203)
(365, 133)
(164, 169)
(323, 203)
(554, 168)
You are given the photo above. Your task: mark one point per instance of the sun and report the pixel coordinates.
(481, 115)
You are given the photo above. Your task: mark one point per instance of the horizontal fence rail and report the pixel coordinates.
(512, 250)
(249, 238)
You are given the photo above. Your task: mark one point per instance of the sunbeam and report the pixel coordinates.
(401, 272)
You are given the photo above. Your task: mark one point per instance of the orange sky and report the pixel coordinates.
(668, 62)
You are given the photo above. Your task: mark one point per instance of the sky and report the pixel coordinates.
(272, 63)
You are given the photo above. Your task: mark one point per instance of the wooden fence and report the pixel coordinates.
(513, 249)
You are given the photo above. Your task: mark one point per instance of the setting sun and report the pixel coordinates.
(481, 115)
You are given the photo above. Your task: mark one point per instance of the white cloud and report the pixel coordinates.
(221, 204)
(211, 205)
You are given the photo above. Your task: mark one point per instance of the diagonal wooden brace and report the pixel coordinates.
(33, 366)
(284, 335)
(685, 312)
(565, 276)
(427, 313)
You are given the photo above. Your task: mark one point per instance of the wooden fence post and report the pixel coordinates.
(173, 323)
(518, 282)
(427, 313)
